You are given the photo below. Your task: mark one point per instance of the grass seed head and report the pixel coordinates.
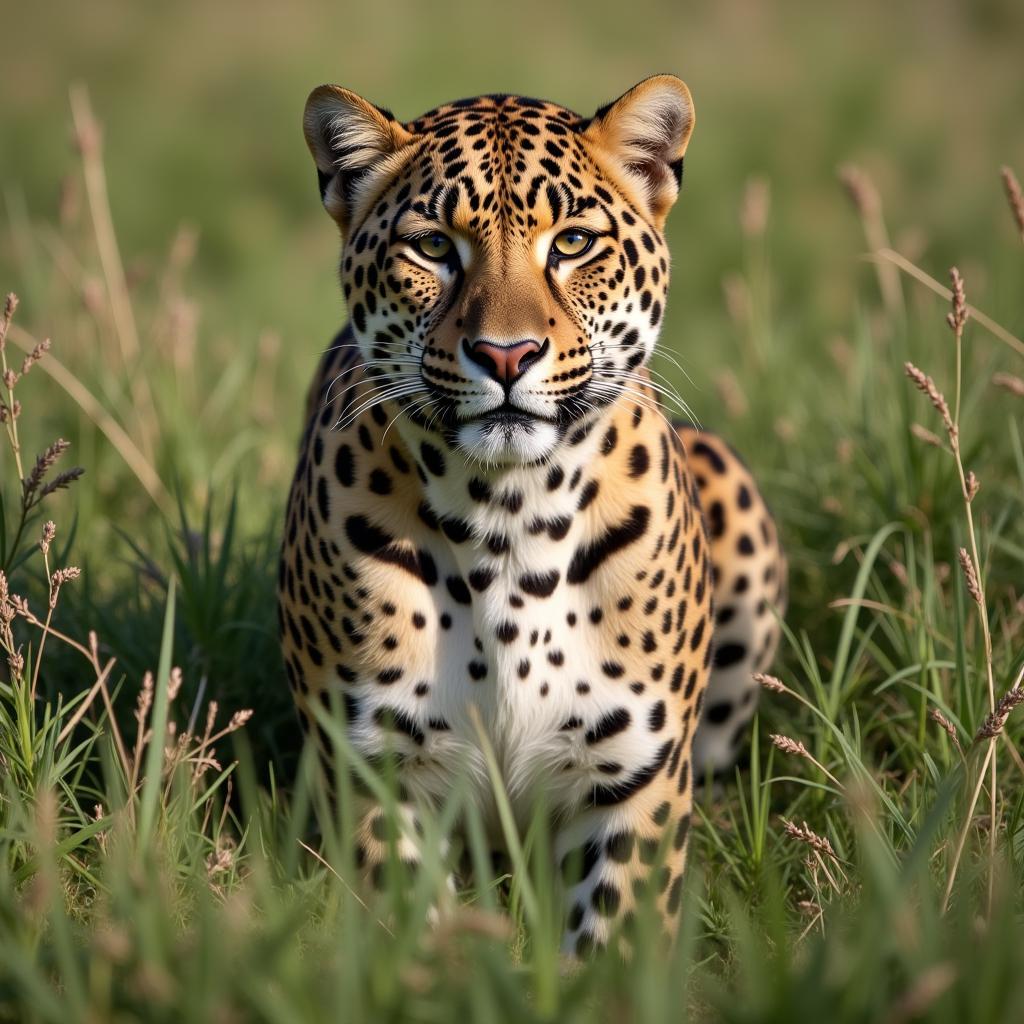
(971, 576)
(973, 485)
(861, 190)
(957, 316)
(768, 682)
(804, 834)
(926, 386)
(10, 305)
(996, 721)
(1014, 197)
(788, 745)
(946, 726)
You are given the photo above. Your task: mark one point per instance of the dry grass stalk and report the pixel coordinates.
(924, 434)
(902, 263)
(868, 204)
(119, 438)
(1009, 382)
(89, 138)
(755, 206)
(731, 395)
(1015, 198)
(929, 985)
(970, 565)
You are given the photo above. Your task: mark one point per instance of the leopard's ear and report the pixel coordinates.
(353, 143)
(644, 134)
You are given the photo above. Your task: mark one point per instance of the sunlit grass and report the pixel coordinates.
(164, 857)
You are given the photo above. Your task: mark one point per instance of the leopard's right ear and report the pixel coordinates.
(354, 145)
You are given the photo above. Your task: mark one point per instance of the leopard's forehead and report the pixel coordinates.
(517, 161)
(511, 116)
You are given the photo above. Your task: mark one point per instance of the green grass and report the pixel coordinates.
(215, 883)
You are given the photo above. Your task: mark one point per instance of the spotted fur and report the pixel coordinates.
(490, 510)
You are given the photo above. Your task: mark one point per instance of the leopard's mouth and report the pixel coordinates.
(508, 416)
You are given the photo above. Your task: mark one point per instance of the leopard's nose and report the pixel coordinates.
(503, 363)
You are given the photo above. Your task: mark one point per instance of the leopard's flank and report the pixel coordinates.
(490, 509)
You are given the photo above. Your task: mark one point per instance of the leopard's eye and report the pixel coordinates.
(434, 246)
(571, 242)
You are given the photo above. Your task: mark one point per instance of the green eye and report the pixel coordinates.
(434, 246)
(571, 242)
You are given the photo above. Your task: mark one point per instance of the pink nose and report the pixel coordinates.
(504, 363)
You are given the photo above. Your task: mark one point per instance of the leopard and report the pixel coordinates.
(499, 550)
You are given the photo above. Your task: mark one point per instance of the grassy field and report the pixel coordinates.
(160, 225)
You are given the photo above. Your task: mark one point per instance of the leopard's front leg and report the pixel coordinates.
(613, 856)
(391, 849)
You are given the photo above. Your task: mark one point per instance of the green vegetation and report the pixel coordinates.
(866, 865)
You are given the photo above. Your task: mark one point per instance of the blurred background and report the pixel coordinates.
(200, 105)
(160, 220)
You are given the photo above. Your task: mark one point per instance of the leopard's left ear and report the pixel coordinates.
(645, 133)
(354, 144)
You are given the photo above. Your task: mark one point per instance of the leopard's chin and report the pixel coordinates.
(507, 438)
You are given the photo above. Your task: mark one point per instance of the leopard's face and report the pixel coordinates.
(504, 263)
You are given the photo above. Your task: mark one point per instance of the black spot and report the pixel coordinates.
(674, 894)
(512, 500)
(577, 864)
(479, 490)
(616, 792)
(729, 654)
(399, 721)
(575, 917)
(619, 847)
(608, 725)
(709, 453)
(481, 578)
(344, 468)
(717, 713)
(458, 589)
(588, 494)
(372, 540)
(605, 899)
(380, 482)
(432, 459)
(716, 520)
(507, 631)
(321, 498)
(540, 584)
(558, 528)
(682, 830)
(656, 717)
(590, 557)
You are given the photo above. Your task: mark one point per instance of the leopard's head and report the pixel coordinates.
(504, 262)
